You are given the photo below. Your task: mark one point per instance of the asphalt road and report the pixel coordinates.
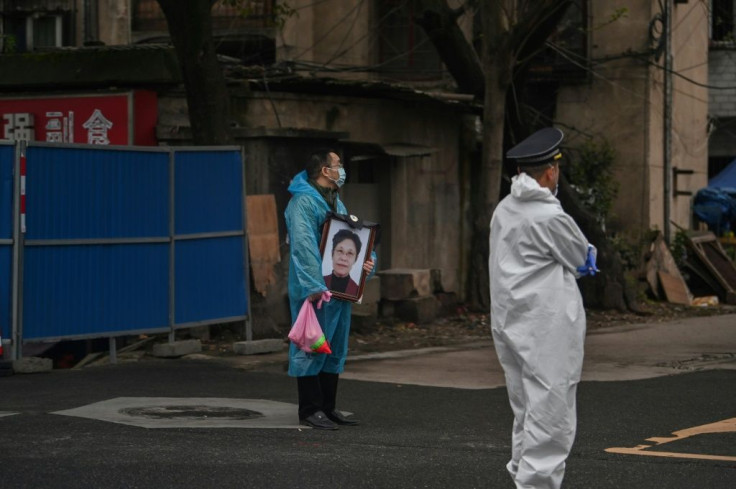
(410, 437)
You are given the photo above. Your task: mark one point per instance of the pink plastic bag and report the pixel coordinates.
(306, 332)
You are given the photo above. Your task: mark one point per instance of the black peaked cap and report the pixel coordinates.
(541, 147)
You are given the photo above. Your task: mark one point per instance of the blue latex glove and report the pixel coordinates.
(589, 268)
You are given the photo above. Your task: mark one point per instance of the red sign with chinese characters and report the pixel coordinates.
(119, 119)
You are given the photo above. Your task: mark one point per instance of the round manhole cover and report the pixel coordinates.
(191, 412)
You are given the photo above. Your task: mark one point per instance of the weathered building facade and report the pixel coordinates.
(362, 77)
(401, 147)
(661, 152)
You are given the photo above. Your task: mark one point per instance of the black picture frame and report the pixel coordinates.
(348, 228)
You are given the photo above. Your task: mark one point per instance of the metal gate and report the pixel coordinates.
(110, 241)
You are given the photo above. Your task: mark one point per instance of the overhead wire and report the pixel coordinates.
(644, 98)
(328, 31)
(325, 67)
(314, 66)
(348, 31)
(370, 32)
(381, 20)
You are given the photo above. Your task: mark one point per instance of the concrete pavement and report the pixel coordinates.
(88, 428)
(631, 352)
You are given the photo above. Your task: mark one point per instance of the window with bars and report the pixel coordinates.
(26, 25)
(33, 32)
(722, 20)
(405, 51)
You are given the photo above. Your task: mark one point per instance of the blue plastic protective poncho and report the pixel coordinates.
(538, 325)
(305, 216)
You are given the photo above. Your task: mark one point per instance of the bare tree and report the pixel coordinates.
(190, 28)
(512, 32)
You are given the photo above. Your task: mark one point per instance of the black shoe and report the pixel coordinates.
(319, 421)
(339, 418)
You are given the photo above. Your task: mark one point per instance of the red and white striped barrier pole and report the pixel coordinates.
(23, 191)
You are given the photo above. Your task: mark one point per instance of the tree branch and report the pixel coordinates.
(532, 32)
(440, 24)
(460, 11)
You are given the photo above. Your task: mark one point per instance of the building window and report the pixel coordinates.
(46, 31)
(721, 20)
(26, 25)
(32, 32)
(405, 51)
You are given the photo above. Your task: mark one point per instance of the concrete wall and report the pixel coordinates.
(419, 197)
(425, 209)
(335, 32)
(690, 105)
(340, 33)
(114, 21)
(624, 103)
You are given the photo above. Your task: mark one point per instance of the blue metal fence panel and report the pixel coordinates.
(97, 252)
(91, 290)
(210, 280)
(209, 191)
(7, 161)
(76, 193)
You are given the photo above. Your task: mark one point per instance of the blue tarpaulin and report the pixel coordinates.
(716, 204)
(726, 178)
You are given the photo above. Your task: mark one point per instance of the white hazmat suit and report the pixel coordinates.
(538, 326)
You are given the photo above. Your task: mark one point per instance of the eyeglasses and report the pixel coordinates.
(339, 165)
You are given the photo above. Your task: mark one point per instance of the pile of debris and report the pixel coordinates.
(411, 295)
(706, 275)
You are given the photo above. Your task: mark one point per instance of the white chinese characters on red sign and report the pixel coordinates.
(18, 127)
(97, 128)
(121, 118)
(58, 127)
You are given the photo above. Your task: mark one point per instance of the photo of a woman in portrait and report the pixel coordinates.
(346, 247)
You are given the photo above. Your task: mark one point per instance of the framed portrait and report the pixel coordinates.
(347, 242)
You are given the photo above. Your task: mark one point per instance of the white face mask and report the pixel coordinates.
(341, 177)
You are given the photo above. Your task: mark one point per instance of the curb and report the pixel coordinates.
(419, 351)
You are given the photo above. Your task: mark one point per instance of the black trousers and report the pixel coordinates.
(317, 393)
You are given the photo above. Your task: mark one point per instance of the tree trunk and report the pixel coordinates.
(190, 28)
(512, 35)
(461, 60)
(498, 62)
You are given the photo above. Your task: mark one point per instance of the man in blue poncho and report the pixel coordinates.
(314, 194)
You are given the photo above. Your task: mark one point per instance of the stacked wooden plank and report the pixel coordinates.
(663, 275)
(709, 263)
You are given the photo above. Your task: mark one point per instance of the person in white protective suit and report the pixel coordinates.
(537, 317)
